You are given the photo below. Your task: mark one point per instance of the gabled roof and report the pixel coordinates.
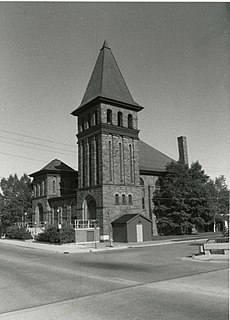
(55, 166)
(107, 82)
(152, 160)
(126, 218)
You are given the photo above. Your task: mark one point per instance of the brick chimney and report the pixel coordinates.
(183, 151)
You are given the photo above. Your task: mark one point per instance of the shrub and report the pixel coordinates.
(16, 232)
(52, 234)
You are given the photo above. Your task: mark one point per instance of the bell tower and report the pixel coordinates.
(108, 147)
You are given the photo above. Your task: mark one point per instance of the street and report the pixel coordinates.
(159, 282)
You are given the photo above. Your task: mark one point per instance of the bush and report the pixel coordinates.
(52, 234)
(16, 232)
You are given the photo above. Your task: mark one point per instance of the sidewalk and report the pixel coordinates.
(92, 247)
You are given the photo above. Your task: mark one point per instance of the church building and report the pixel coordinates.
(117, 172)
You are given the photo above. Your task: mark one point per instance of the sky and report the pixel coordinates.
(174, 58)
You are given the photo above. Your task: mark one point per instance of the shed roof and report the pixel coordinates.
(126, 218)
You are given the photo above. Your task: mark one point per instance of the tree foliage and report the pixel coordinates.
(185, 199)
(15, 199)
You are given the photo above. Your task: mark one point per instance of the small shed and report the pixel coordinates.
(132, 228)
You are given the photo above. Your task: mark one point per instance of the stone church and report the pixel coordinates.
(117, 172)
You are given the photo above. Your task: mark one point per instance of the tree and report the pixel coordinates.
(183, 200)
(219, 200)
(15, 200)
(171, 209)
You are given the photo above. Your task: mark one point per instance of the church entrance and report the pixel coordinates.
(89, 209)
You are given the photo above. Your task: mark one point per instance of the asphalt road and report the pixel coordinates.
(140, 283)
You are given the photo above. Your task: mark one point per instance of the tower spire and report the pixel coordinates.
(105, 45)
(107, 84)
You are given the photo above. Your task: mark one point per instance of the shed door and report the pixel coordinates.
(139, 228)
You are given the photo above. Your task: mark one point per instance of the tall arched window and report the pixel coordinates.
(95, 118)
(119, 119)
(123, 199)
(116, 198)
(130, 121)
(38, 190)
(109, 116)
(88, 121)
(35, 191)
(43, 188)
(54, 185)
(143, 203)
(83, 124)
(130, 199)
(158, 184)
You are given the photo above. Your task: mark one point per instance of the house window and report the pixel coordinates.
(116, 198)
(130, 121)
(109, 116)
(120, 119)
(130, 199)
(123, 199)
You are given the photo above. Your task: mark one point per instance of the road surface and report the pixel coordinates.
(159, 282)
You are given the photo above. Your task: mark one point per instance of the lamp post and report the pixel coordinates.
(59, 228)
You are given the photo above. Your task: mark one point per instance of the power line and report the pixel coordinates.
(41, 139)
(15, 144)
(38, 144)
(14, 155)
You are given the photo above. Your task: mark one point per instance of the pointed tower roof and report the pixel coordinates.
(107, 83)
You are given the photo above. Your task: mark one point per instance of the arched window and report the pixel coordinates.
(143, 203)
(158, 184)
(123, 199)
(64, 214)
(95, 118)
(83, 124)
(35, 191)
(119, 119)
(130, 199)
(88, 121)
(130, 121)
(43, 188)
(141, 182)
(116, 198)
(54, 185)
(38, 190)
(109, 116)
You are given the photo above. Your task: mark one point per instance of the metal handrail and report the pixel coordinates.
(85, 224)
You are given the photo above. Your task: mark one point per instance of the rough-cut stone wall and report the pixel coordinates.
(109, 164)
(148, 190)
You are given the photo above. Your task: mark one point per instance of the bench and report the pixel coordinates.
(216, 248)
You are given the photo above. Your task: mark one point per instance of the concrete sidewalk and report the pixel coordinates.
(89, 246)
(106, 246)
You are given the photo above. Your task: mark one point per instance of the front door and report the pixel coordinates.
(139, 228)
